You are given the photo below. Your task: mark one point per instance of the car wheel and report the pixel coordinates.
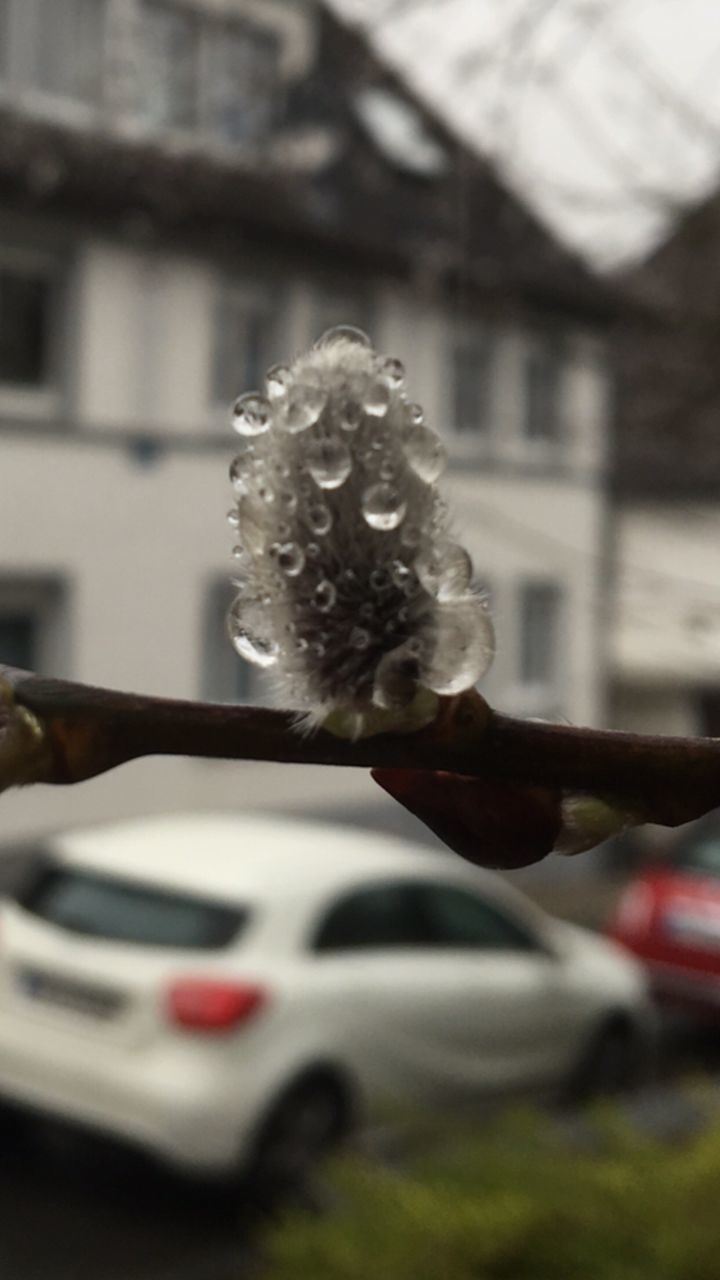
(610, 1065)
(303, 1127)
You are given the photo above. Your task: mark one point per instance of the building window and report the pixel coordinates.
(471, 371)
(66, 48)
(246, 340)
(171, 52)
(206, 75)
(543, 374)
(242, 82)
(540, 640)
(226, 676)
(32, 624)
(28, 290)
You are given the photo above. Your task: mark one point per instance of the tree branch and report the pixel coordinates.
(59, 732)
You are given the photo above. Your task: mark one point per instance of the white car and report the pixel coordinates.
(234, 992)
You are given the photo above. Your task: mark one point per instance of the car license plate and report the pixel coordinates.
(78, 997)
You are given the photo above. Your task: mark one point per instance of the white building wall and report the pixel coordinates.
(666, 635)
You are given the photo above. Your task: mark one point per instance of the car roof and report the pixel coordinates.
(249, 855)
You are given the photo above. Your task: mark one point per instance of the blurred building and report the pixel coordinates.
(666, 483)
(187, 193)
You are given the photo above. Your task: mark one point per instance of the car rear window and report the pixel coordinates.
(118, 910)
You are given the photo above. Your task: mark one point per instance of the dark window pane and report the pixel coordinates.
(383, 916)
(18, 640)
(68, 48)
(471, 373)
(542, 391)
(25, 302)
(540, 638)
(171, 67)
(125, 911)
(245, 346)
(243, 82)
(460, 919)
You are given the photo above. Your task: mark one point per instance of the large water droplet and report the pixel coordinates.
(289, 558)
(425, 452)
(445, 571)
(396, 678)
(233, 518)
(305, 403)
(241, 470)
(278, 380)
(251, 524)
(343, 333)
(250, 637)
(350, 414)
(325, 596)
(383, 507)
(393, 370)
(463, 648)
(376, 399)
(319, 518)
(414, 415)
(252, 415)
(379, 580)
(329, 462)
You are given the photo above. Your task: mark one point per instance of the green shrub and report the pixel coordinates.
(519, 1203)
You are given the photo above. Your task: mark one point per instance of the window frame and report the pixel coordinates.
(45, 597)
(543, 351)
(540, 695)
(212, 26)
(18, 80)
(42, 400)
(482, 337)
(241, 290)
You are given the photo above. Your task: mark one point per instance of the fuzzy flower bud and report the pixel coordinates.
(351, 589)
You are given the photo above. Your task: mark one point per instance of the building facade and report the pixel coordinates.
(187, 193)
(665, 657)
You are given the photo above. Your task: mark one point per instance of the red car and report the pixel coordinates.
(669, 917)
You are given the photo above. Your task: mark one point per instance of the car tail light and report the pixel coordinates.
(210, 1004)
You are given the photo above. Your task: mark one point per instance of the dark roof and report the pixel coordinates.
(668, 424)
(356, 207)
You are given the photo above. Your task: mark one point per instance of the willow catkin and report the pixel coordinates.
(350, 588)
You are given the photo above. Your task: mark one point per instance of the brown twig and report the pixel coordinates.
(56, 731)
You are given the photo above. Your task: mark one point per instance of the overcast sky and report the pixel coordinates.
(604, 113)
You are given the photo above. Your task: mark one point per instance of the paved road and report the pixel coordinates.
(71, 1209)
(74, 1210)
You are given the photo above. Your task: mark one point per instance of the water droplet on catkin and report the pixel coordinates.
(383, 507)
(329, 462)
(343, 333)
(252, 415)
